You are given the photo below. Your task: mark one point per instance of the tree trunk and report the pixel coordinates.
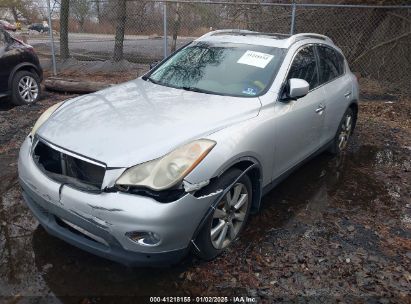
(64, 15)
(81, 23)
(121, 24)
(98, 11)
(73, 86)
(15, 14)
(176, 27)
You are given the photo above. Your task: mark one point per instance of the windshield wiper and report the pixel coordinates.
(186, 88)
(198, 90)
(147, 78)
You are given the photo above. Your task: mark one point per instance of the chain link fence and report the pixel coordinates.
(375, 39)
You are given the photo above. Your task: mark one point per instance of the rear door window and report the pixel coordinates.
(304, 66)
(331, 64)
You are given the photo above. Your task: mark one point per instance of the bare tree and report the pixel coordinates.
(64, 18)
(98, 11)
(15, 14)
(21, 8)
(120, 29)
(176, 26)
(81, 11)
(375, 19)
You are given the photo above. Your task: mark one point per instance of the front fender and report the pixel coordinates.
(246, 141)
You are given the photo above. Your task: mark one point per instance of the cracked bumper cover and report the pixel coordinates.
(109, 216)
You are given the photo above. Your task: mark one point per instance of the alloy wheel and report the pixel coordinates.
(346, 129)
(28, 89)
(229, 216)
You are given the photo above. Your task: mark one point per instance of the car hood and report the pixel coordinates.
(138, 121)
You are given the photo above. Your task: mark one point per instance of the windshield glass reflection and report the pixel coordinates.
(223, 68)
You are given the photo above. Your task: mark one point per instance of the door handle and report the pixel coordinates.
(347, 94)
(320, 108)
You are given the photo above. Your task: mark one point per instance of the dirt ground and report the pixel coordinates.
(337, 230)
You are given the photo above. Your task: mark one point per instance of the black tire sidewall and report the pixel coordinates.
(203, 241)
(16, 98)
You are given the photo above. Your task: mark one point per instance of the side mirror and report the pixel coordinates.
(297, 88)
(153, 65)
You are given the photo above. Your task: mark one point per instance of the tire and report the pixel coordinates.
(208, 246)
(343, 135)
(21, 81)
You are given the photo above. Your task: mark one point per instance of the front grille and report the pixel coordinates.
(68, 169)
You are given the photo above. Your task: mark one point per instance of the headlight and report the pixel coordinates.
(43, 117)
(167, 171)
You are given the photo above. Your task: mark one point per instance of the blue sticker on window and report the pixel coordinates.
(250, 91)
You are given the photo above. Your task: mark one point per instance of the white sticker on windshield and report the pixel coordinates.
(256, 59)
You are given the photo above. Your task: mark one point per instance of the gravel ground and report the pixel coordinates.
(337, 230)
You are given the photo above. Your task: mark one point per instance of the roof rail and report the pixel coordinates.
(228, 31)
(298, 37)
(244, 32)
(291, 39)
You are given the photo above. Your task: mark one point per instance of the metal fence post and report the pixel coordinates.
(53, 53)
(165, 28)
(294, 7)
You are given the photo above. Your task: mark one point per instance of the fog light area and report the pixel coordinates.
(145, 238)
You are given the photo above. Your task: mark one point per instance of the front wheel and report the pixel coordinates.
(344, 132)
(229, 217)
(25, 88)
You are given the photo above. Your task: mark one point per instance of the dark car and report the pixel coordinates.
(20, 72)
(39, 27)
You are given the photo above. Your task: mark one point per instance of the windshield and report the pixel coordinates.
(221, 68)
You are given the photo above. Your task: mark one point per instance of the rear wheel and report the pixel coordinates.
(25, 88)
(229, 217)
(344, 132)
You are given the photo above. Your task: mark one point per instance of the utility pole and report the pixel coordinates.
(53, 53)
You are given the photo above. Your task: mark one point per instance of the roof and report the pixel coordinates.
(259, 38)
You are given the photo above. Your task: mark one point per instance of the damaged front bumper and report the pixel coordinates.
(102, 223)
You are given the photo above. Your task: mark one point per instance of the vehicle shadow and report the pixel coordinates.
(6, 104)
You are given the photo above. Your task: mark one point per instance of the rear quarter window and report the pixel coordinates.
(331, 64)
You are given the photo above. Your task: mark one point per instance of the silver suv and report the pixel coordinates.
(176, 160)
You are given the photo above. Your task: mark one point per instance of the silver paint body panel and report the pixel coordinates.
(138, 121)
